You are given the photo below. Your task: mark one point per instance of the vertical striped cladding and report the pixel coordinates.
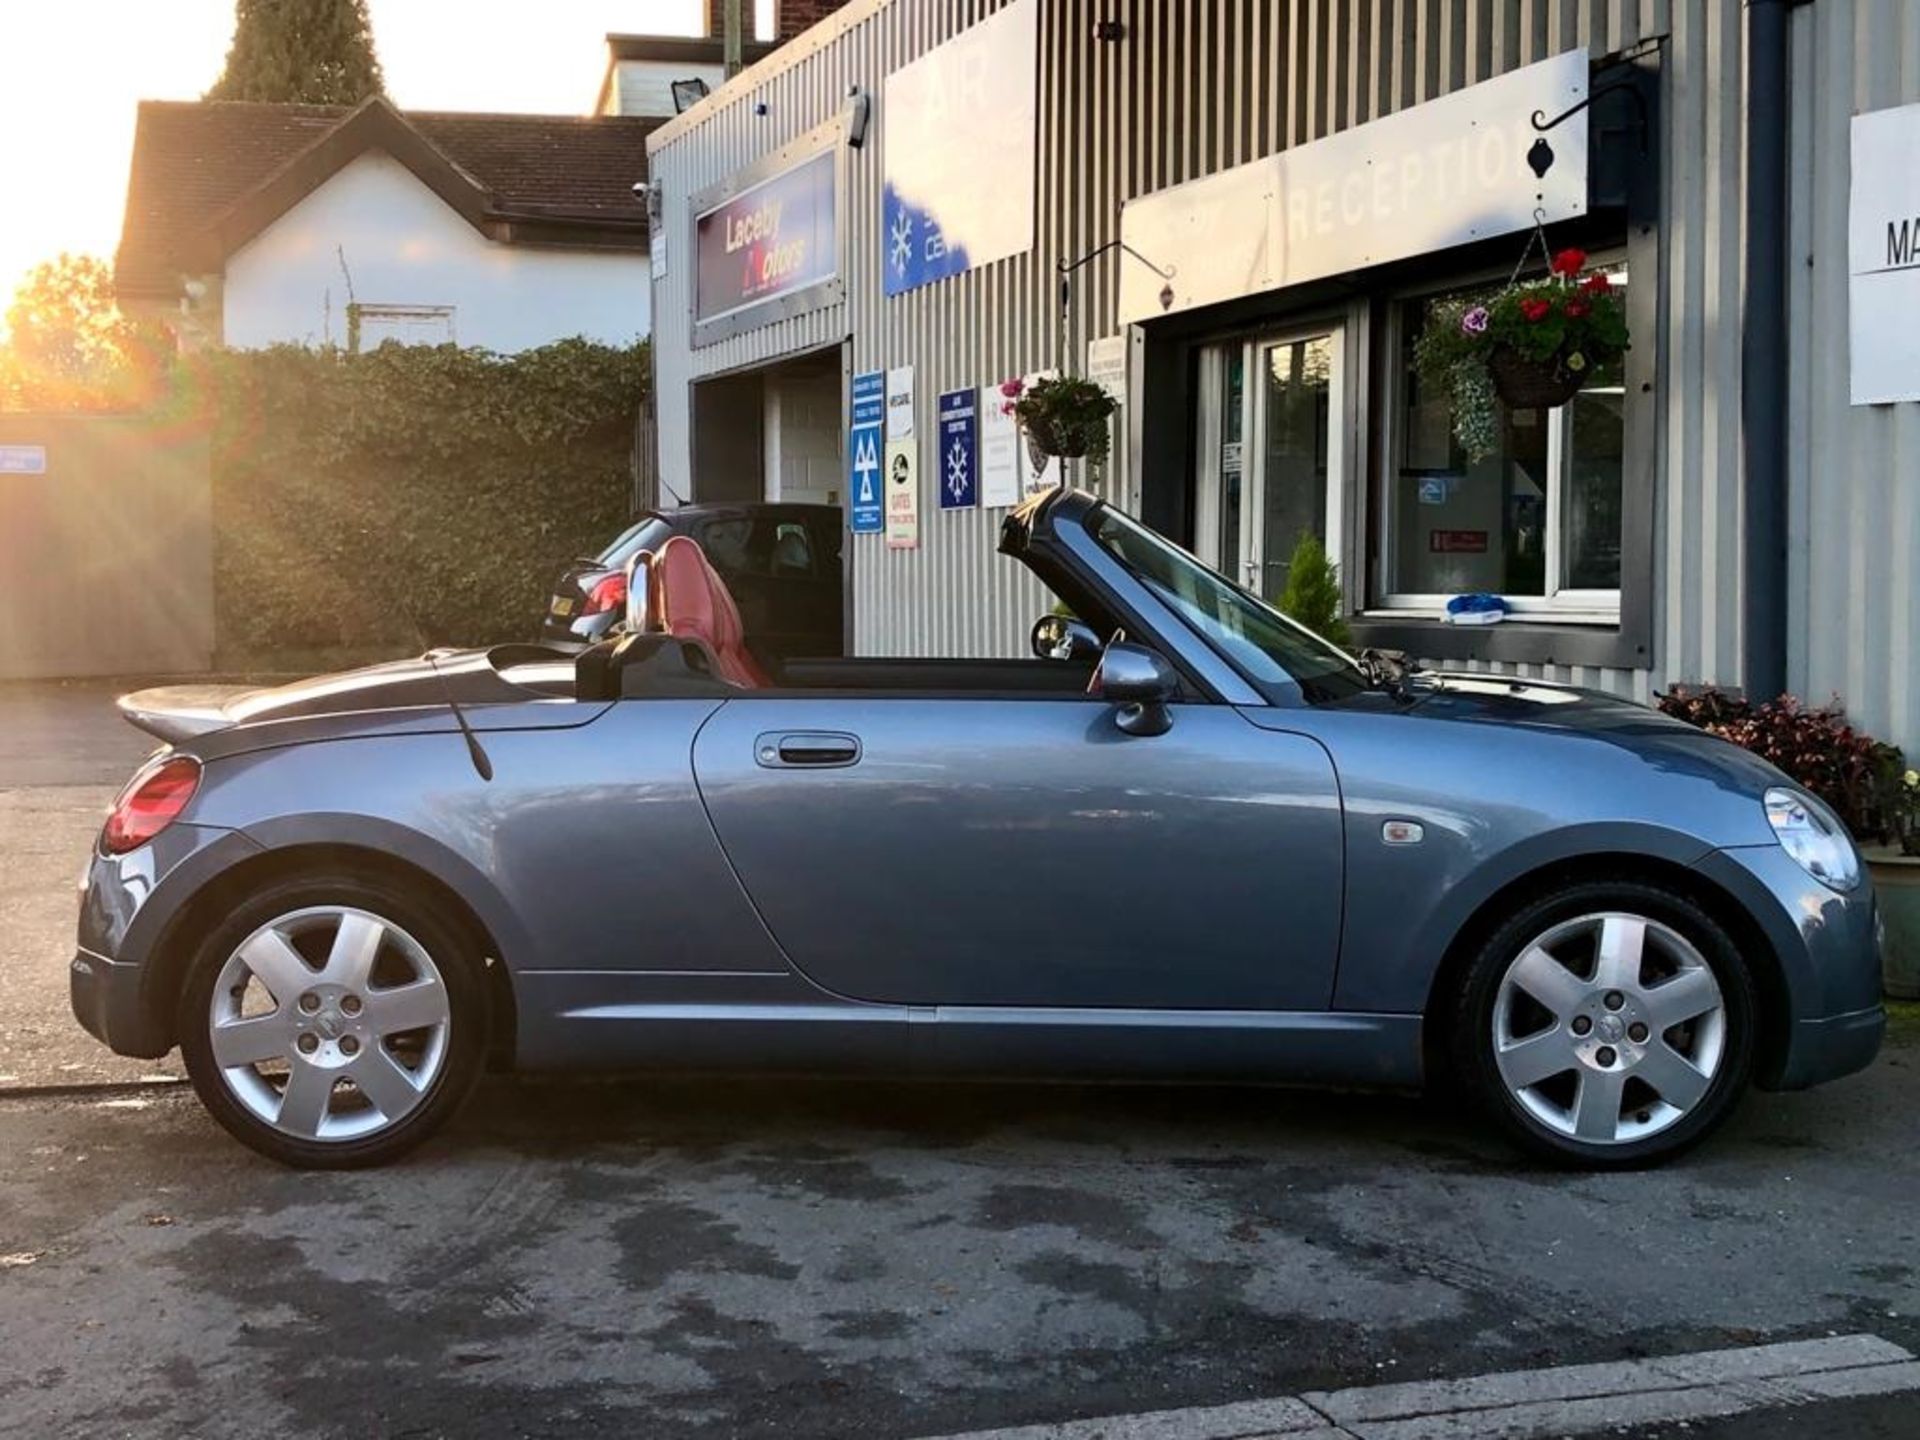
(1853, 529)
(1194, 87)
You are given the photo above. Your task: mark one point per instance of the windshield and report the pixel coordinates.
(647, 535)
(1275, 654)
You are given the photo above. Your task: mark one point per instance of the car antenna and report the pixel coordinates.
(482, 762)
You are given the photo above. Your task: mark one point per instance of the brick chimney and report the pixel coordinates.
(793, 16)
(790, 17)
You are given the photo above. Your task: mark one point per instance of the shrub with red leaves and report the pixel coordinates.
(1854, 773)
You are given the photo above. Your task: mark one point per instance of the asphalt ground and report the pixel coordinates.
(780, 1258)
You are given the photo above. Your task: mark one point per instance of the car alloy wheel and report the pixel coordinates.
(1609, 1028)
(329, 1023)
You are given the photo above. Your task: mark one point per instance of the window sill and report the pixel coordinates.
(1533, 640)
(1424, 615)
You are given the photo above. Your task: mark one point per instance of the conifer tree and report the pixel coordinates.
(312, 52)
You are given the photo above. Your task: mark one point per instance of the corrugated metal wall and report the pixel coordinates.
(1196, 86)
(1854, 473)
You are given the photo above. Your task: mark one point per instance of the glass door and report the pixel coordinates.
(1272, 460)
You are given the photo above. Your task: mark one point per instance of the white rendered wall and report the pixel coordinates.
(645, 87)
(405, 246)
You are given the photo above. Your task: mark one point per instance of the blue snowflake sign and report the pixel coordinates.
(959, 450)
(866, 514)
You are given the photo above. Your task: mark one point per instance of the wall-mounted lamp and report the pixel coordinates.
(859, 111)
(687, 94)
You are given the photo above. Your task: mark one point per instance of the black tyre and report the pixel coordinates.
(333, 1021)
(1608, 1025)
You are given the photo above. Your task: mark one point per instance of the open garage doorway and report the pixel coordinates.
(772, 433)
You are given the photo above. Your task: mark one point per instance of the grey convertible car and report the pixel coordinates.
(1184, 840)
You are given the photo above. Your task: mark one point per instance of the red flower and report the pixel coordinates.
(1012, 388)
(1569, 262)
(1536, 310)
(1576, 309)
(1596, 283)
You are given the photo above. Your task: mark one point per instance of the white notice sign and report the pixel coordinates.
(1107, 365)
(900, 402)
(1883, 256)
(999, 450)
(903, 495)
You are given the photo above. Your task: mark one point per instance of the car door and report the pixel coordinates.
(1021, 850)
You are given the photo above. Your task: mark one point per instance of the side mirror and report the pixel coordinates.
(1141, 683)
(639, 587)
(1061, 637)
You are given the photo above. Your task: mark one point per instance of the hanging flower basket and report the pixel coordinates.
(1062, 415)
(1525, 383)
(1530, 346)
(1047, 435)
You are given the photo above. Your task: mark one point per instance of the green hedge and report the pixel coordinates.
(350, 491)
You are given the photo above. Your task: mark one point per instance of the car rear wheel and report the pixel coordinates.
(331, 1023)
(1608, 1025)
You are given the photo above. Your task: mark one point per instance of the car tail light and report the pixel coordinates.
(609, 594)
(152, 801)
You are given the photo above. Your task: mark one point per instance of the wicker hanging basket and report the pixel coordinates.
(1523, 383)
(1049, 437)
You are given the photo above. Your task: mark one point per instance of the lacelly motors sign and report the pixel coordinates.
(1883, 256)
(1445, 173)
(768, 244)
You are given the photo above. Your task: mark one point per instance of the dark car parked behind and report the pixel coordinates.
(781, 561)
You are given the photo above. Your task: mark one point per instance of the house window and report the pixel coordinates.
(371, 326)
(1538, 521)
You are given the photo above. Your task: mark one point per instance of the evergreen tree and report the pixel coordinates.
(312, 52)
(1312, 595)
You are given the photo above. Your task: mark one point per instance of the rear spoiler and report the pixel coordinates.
(178, 713)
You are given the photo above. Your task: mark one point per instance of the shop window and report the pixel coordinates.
(1538, 522)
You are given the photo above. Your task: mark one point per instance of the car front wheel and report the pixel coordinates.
(331, 1023)
(1607, 1025)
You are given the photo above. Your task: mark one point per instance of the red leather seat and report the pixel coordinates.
(688, 600)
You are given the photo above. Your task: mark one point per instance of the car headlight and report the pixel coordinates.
(1813, 835)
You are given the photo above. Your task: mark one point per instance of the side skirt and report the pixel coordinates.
(576, 1020)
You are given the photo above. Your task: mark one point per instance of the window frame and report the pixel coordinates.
(1565, 605)
(1619, 637)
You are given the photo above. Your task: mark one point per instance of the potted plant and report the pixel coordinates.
(1064, 415)
(1866, 782)
(1895, 867)
(1312, 594)
(1531, 345)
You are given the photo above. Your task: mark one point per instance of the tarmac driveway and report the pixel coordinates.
(701, 1258)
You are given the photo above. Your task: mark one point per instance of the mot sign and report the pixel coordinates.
(766, 248)
(1883, 257)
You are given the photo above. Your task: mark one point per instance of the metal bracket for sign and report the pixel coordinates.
(1540, 155)
(1065, 269)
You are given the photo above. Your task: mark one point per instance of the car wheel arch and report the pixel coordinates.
(173, 951)
(1769, 976)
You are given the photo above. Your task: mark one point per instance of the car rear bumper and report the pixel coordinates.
(108, 1003)
(127, 905)
(1830, 1018)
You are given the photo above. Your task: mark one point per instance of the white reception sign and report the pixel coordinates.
(1883, 256)
(1445, 173)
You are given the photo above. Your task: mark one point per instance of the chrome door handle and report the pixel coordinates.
(806, 750)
